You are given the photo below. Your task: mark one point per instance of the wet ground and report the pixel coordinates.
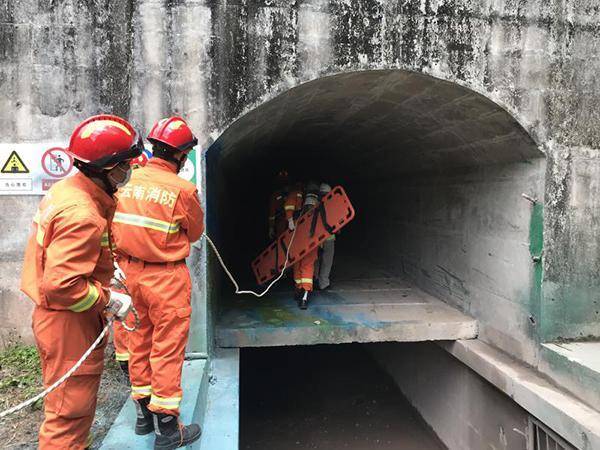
(324, 397)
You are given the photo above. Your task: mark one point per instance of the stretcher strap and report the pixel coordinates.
(321, 212)
(276, 268)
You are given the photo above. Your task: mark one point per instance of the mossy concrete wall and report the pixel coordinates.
(214, 60)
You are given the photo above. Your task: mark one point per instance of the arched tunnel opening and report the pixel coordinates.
(435, 172)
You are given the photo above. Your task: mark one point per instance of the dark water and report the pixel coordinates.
(324, 397)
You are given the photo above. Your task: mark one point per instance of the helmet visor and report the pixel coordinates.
(110, 161)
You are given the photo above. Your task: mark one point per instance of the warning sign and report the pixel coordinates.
(14, 164)
(32, 168)
(57, 163)
(47, 183)
(188, 171)
(21, 171)
(16, 184)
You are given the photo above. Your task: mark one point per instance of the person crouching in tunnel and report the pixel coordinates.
(300, 200)
(158, 217)
(325, 260)
(67, 271)
(277, 220)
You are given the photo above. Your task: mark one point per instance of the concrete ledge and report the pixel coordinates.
(569, 417)
(195, 383)
(355, 314)
(575, 365)
(221, 423)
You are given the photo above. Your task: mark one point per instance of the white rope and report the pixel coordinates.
(95, 344)
(62, 379)
(235, 284)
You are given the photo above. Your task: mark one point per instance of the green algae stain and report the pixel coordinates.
(536, 230)
(536, 248)
(283, 317)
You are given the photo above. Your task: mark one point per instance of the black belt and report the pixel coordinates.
(133, 259)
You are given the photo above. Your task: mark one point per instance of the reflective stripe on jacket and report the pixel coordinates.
(68, 261)
(276, 206)
(158, 214)
(293, 202)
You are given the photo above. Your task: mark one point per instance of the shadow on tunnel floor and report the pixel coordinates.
(324, 397)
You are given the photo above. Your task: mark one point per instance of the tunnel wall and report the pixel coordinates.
(214, 60)
(464, 237)
(15, 309)
(464, 410)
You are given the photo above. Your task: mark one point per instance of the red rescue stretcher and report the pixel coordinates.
(312, 228)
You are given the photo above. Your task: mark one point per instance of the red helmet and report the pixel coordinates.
(282, 177)
(173, 132)
(104, 141)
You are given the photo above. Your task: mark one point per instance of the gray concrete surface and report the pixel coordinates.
(15, 307)
(354, 311)
(221, 426)
(585, 353)
(567, 361)
(562, 412)
(464, 410)
(465, 237)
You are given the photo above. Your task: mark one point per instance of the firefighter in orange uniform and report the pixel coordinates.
(121, 343)
(158, 217)
(67, 271)
(277, 218)
(300, 200)
(120, 334)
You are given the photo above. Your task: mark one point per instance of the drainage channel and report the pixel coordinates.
(324, 397)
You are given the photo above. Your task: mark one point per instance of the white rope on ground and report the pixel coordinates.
(62, 379)
(235, 284)
(95, 344)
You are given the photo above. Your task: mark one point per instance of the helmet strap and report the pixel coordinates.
(100, 174)
(167, 155)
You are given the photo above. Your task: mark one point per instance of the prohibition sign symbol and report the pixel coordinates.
(56, 162)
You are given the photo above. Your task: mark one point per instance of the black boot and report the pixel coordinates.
(298, 295)
(303, 303)
(144, 423)
(171, 434)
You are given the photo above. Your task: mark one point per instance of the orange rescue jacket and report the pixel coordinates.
(68, 262)
(276, 206)
(293, 203)
(158, 214)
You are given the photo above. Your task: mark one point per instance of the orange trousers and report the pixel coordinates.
(61, 338)
(304, 270)
(161, 294)
(121, 341)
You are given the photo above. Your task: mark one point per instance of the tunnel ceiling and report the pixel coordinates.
(374, 123)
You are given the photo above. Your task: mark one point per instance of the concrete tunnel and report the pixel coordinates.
(435, 171)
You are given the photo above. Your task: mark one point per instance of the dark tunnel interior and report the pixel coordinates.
(433, 170)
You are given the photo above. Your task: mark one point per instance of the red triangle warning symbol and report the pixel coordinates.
(14, 164)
